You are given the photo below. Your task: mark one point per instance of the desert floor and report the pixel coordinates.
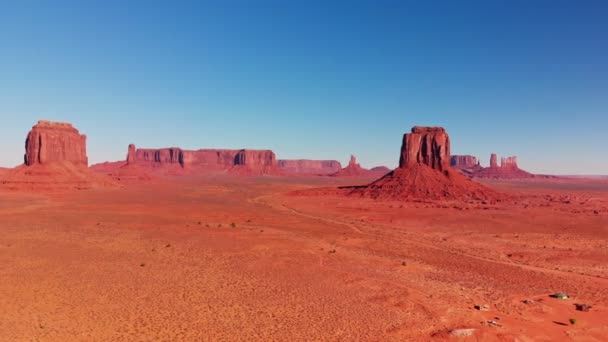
(217, 258)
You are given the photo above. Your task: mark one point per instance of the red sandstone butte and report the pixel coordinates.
(312, 167)
(424, 172)
(426, 145)
(55, 159)
(50, 142)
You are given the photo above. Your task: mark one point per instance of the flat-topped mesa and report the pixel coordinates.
(175, 159)
(463, 162)
(55, 142)
(493, 161)
(426, 146)
(304, 166)
(509, 163)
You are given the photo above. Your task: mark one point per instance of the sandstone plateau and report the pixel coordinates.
(176, 161)
(55, 159)
(424, 172)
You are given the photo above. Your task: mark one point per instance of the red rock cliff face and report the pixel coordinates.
(172, 155)
(319, 167)
(50, 142)
(463, 162)
(426, 145)
(256, 158)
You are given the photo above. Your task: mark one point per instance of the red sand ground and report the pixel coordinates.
(223, 258)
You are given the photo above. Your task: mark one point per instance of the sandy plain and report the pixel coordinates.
(222, 258)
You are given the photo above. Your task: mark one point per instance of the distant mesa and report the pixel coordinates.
(464, 162)
(176, 161)
(55, 159)
(425, 173)
(382, 170)
(508, 168)
(310, 167)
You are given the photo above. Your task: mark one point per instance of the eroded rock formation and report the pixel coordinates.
(353, 169)
(493, 161)
(313, 167)
(463, 162)
(50, 142)
(426, 146)
(174, 160)
(55, 159)
(508, 169)
(424, 172)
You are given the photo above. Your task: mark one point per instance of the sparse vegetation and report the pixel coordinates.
(573, 321)
(233, 225)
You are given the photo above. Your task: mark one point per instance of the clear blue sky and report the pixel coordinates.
(312, 79)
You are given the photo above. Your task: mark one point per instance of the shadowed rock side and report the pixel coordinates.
(311, 167)
(55, 159)
(425, 173)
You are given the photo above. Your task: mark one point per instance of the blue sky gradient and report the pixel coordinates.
(312, 79)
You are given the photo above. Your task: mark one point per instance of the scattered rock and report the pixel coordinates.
(484, 307)
(582, 307)
(560, 295)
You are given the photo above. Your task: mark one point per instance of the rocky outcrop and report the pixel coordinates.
(463, 161)
(312, 167)
(353, 169)
(50, 142)
(493, 161)
(172, 155)
(424, 172)
(508, 169)
(55, 160)
(426, 146)
(509, 163)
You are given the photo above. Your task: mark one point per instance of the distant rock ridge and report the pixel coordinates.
(463, 161)
(353, 169)
(508, 169)
(243, 161)
(313, 167)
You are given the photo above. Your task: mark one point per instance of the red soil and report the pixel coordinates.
(230, 258)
